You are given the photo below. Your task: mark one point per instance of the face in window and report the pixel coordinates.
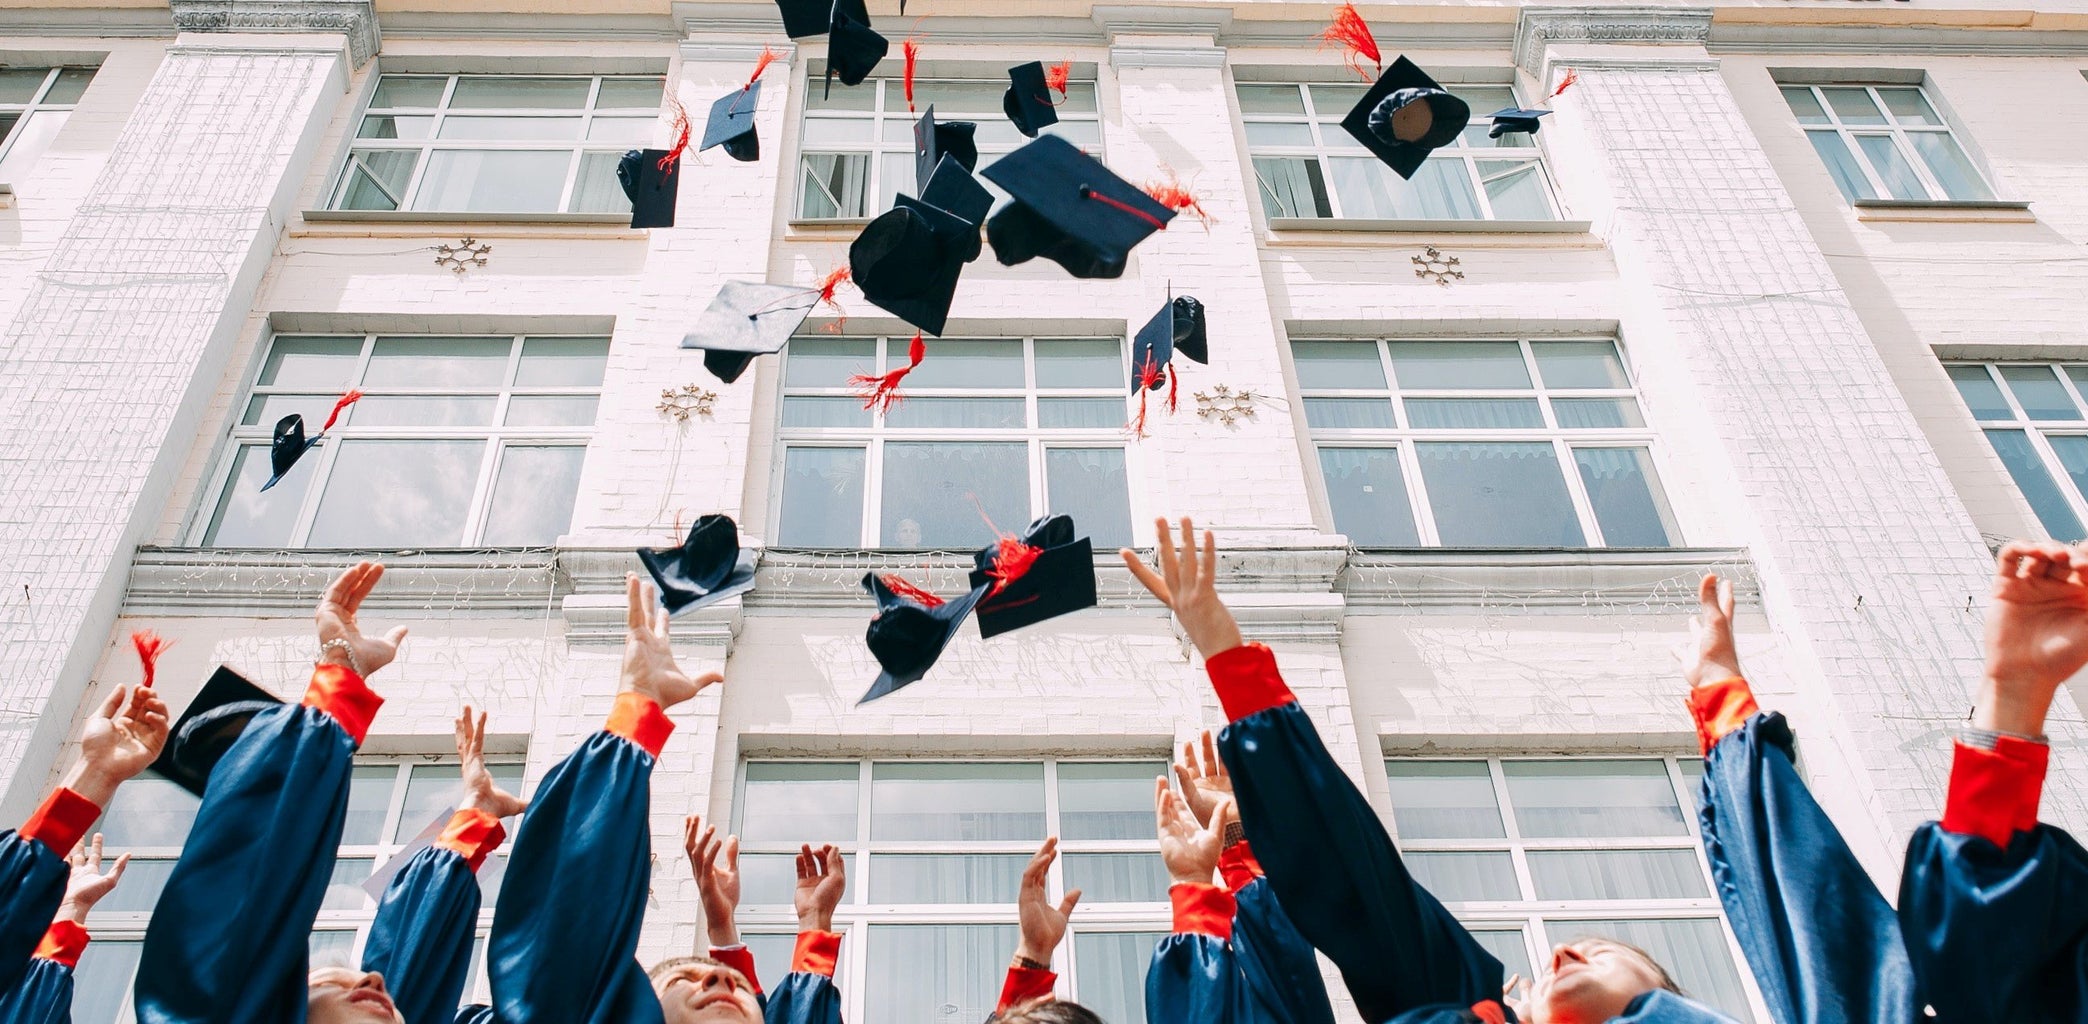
(907, 533)
(702, 991)
(1592, 980)
(338, 995)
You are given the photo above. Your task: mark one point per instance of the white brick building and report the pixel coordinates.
(1746, 303)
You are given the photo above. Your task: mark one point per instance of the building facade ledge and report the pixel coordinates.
(1331, 230)
(355, 19)
(405, 217)
(1981, 212)
(1543, 27)
(1435, 579)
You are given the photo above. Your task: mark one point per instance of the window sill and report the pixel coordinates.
(1977, 212)
(1462, 579)
(1326, 230)
(824, 229)
(418, 217)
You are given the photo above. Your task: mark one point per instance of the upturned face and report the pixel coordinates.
(1590, 981)
(338, 995)
(700, 993)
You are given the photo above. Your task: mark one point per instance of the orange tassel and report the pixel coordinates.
(1352, 34)
(1012, 560)
(907, 589)
(149, 647)
(768, 56)
(1565, 83)
(681, 135)
(1057, 75)
(1175, 196)
(912, 48)
(1173, 385)
(881, 391)
(1138, 425)
(347, 400)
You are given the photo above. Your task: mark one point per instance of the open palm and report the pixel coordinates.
(1189, 850)
(648, 661)
(336, 620)
(125, 735)
(2037, 627)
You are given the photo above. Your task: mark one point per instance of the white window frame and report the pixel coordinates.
(39, 103)
(498, 434)
(1563, 440)
(2036, 431)
(1898, 132)
(891, 354)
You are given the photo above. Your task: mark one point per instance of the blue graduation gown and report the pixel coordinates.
(421, 938)
(32, 876)
(42, 995)
(807, 995)
(1195, 976)
(1276, 963)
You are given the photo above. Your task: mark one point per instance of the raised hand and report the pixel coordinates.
(716, 866)
(1189, 850)
(480, 791)
(122, 738)
(821, 879)
(87, 885)
(1711, 657)
(1204, 780)
(1043, 925)
(2036, 634)
(1188, 583)
(341, 641)
(648, 661)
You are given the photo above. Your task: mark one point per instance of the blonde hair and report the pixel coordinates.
(1046, 1010)
(675, 963)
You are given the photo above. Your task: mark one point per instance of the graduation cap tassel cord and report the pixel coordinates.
(768, 56)
(1173, 388)
(149, 645)
(1089, 193)
(1176, 196)
(1565, 83)
(1012, 560)
(911, 591)
(912, 49)
(1352, 34)
(881, 390)
(1057, 76)
(345, 401)
(681, 136)
(829, 283)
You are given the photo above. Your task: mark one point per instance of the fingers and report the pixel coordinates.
(94, 853)
(836, 865)
(1167, 553)
(478, 736)
(634, 612)
(1191, 561)
(368, 582)
(114, 704)
(1160, 795)
(395, 636)
(730, 853)
(1212, 766)
(691, 827)
(805, 867)
(1725, 599)
(1040, 863)
(709, 679)
(343, 585)
(1707, 591)
(1066, 905)
(116, 873)
(1145, 575)
(1210, 559)
(1185, 776)
(660, 619)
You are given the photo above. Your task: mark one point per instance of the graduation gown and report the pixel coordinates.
(807, 995)
(421, 938)
(1195, 977)
(1824, 945)
(33, 873)
(227, 941)
(44, 992)
(1276, 963)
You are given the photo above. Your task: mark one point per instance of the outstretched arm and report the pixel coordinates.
(44, 994)
(1030, 976)
(808, 995)
(1194, 977)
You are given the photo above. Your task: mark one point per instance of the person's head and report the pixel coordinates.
(907, 534)
(1591, 980)
(700, 990)
(343, 995)
(1046, 1010)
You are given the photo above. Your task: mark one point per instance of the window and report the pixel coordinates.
(935, 856)
(1532, 853)
(34, 104)
(2031, 413)
(457, 441)
(390, 800)
(485, 144)
(1482, 444)
(857, 148)
(1295, 138)
(999, 429)
(1885, 142)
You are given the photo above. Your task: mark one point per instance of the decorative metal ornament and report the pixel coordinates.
(467, 253)
(686, 401)
(1434, 266)
(1224, 404)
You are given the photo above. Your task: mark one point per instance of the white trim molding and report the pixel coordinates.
(356, 19)
(1541, 27)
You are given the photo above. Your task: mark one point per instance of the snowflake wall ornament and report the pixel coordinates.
(686, 401)
(1224, 404)
(1432, 265)
(467, 253)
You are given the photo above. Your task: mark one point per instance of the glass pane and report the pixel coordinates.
(1077, 413)
(20, 85)
(1349, 413)
(938, 492)
(1474, 413)
(833, 184)
(1291, 187)
(1107, 801)
(936, 878)
(822, 498)
(148, 811)
(1853, 105)
(799, 803)
(1484, 99)
(390, 494)
(2073, 458)
(628, 131)
(1980, 393)
(629, 93)
(420, 411)
(139, 892)
(269, 409)
(962, 364)
(1804, 104)
(827, 362)
(102, 980)
(1117, 877)
(515, 93)
(1458, 364)
(1498, 495)
(344, 889)
(377, 179)
(248, 517)
(1079, 363)
(490, 875)
(2038, 391)
(956, 801)
(1090, 485)
(438, 363)
(1366, 490)
(496, 128)
(952, 973)
(334, 948)
(1366, 188)
(1440, 190)
(1444, 800)
(396, 126)
(1694, 951)
(1625, 492)
(771, 879)
(433, 790)
(955, 413)
(552, 410)
(71, 85)
(1270, 99)
(773, 953)
(1515, 189)
(1909, 106)
(598, 190)
(493, 181)
(562, 362)
(2036, 483)
(1332, 102)
(1276, 134)
(1465, 877)
(408, 91)
(1891, 166)
(1841, 165)
(1509, 947)
(1617, 875)
(864, 98)
(803, 411)
(369, 800)
(1113, 969)
(895, 173)
(1337, 364)
(1596, 413)
(30, 140)
(1583, 799)
(955, 99)
(1949, 165)
(532, 503)
(1579, 364)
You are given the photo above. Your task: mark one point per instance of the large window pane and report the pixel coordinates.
(1464, 877)
(391, 494)
(1507, 946)
(532, 503)
(143, 882)
(1444, 800)
(420, 411)
(1474, 413)
(1949, 165)
(1804, 104)
(1626, 495)
(1337, 364)
(1579, 364)
(325, 364)
(1891, 166)
(939, 878)
(369, 802)
(2031, 477)
(957, 414)
(1117, 877)
(1366, 491)
(1079, 363)
(514, 93)
(1090, 485)
(1112, 971)
(433, 790)
(248, 517)
(438, 363)
(148, 811)
(1980, 393)
(344, 887)
(957, 801)
(936, 974)
(827, 362)
(562, 362)
(377, 179)
(1291, 187)
(509, 129)
(597, 189)
(552, 410)
(1459, 364)
(1841, 165)
(822, 498)
(20, 85)
(1080, 413)
(1693, 950)
(2038, 391)
(1597, 413)
(833, 185)
(1270, 99)
(493, 181)
(807, 411)
(1853, 105)
(799, 802)
(102, 980)
(1366, 188)
(1349, 414)
(962, 364)
(1498, 495)
(1111, 800)
(1580, 799)
(1617, 875)
(1515, 188)
(408, 91)
(771, 879)
(2072, 450)
(936, 491)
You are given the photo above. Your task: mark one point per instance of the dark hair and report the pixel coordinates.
(674, 962)
(1660, 972)
(1046, 1010)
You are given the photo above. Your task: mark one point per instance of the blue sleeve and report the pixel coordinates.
(804, 998)
(1997, 934)
(43, 995)
(1824, 945)
(32, 883)
(421, 938)
(227, 942)
(1194, 979)
(1281, 974)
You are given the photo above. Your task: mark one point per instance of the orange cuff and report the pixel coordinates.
(1202, 909)
(741, 960)
(59, 823)
(473, 834)
(1720, 708)
(338, 691)
(638, 718)
(63, 943)
(1237, 865)
(1489, 1010)
(1994, 793)
(1023, 985)
(1247, 681)
(816, 953)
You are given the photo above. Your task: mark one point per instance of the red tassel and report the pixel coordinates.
(149, 647)
(347, 400)
(1565, 83)
(905, 588)
(829, 283)
(768, 57)
(681, 135)
(1173, 386)
(1175, 196)
(1057, 76)
(881, 391)
(1157, 223)
(1012, 560)
(1138, 425)
(1352, 34)
(912, 47)
(1149, 375)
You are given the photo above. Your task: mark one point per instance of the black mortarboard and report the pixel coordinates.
(288, 447)
(1184, 317)
(651, 187)
(1028, 100)
(1514, 120)
(953, 188)
(1061, 580)
(907, 635)
(1152, 348)
(907, 261)
(803, 18)
(732, 124)
(853, 48)
(934, 140)
(1069, 209)
(748, 320)
(708, 567)
(208, 728)
(1400, 87)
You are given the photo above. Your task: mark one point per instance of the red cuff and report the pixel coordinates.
(816, 953)
(1247, 681)
(1489, 1011)
(1994, 793)
(638, 718)
(1720, 708)
(741, 960)
(338, 691)
(1023, 985)
(1202, 909)
(1238, 866)
(473, 834)
(63, 943)
(64, 817)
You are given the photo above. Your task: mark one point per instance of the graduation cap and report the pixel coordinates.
(708, 567)
(910, 630)
(934, 140)
(1514, 120)
(208, 728)
(290, 443)
(1185, 322)
(1041, 575)
(651, 178)
(1152, 354)
(1028, 99)
(747, 320)
(731, 123)
(803, 18)
(908, 259)
(853, 48)
(1069, 209)
(1405, 115)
